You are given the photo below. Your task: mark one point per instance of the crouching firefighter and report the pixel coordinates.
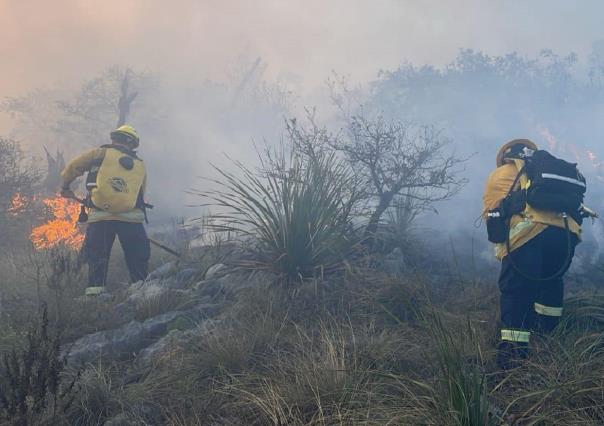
(114, 206)
(533, 206)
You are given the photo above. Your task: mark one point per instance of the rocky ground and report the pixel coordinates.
(146, 339)
(381, 342)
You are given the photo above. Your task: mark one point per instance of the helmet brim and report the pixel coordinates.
(502, 151)
(123, 137)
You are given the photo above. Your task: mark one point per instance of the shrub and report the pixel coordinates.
(99, 395)
(19, 177)
(30, 383)
(296, 212)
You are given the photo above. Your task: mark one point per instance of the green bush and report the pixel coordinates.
(296, 212)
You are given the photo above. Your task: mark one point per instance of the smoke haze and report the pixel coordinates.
(43, 43)
(225, 74)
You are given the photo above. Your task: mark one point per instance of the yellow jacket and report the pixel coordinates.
(528, 224)
(85, 163)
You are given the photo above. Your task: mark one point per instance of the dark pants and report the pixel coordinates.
(529, 304)
(99, 241)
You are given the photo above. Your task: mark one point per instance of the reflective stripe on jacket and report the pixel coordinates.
(530, 223)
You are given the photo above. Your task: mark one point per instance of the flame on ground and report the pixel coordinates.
(61, 229)
(17, 204)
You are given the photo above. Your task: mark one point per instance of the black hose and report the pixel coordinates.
(562, 269)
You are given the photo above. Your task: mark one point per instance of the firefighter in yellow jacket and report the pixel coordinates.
(116, 185)
(541, 245)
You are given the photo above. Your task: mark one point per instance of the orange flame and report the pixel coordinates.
(580, 156)
(551, 140)
(61, 229)
(17, 204)
(598, 165)
(594, 159)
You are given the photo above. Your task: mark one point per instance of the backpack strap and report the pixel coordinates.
(524, 184)
(522, 177)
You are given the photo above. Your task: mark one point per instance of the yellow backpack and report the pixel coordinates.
(119, 180)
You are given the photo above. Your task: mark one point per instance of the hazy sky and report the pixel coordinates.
(47, 42)
(59, 42)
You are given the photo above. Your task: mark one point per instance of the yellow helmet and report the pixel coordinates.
(131, 137)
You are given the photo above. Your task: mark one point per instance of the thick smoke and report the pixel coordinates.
(44, 43)
(200, 98)
(483, 101)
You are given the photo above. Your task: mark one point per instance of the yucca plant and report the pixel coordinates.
(295, 211)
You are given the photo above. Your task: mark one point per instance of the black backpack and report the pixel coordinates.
(554, 184)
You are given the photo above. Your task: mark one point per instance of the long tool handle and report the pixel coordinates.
(151, 240)
(163, 247)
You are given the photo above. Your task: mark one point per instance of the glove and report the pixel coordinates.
(67, 193)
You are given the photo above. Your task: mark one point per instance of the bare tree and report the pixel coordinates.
(393, 162)
(126, 99)
(55, 163)
(83, 118)
(254, 70)
(91, 106)
(396, 159)
(100, 103)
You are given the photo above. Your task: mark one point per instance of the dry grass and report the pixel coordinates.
(362, 348)
(349, 362)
